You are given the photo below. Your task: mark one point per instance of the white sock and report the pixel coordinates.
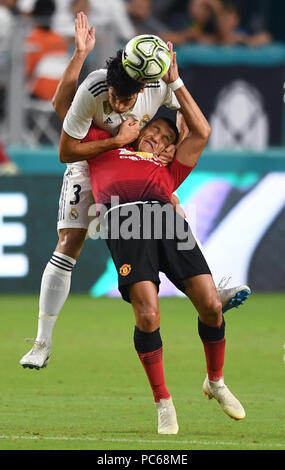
(55, 287)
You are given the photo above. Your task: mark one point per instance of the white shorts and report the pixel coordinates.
(75, 199)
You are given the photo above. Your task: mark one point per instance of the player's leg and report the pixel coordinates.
(233, 296)
(55, 288)
(148, 344)
(202, 292)
(185, 265)
(211, 326)
(137, 264)
(56, 280)
(75, 200)
(230, 297)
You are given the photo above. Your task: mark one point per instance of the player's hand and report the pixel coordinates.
(84, 36)
(129, 132)
(167, 155)
(172, 74)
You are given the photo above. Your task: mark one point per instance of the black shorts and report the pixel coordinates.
(146, 238)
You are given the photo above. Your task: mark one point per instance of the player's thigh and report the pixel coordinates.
(202, 292)
(76, 199)
(71, 241)
(144, 300)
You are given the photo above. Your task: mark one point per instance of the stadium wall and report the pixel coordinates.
(234, 200)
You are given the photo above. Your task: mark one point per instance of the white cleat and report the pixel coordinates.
(229, 403)
(232, 297)
(167, 420)
(37, 357)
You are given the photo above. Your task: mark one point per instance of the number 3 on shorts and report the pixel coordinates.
(77, 189)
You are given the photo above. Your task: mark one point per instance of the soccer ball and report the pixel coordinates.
(146, 58)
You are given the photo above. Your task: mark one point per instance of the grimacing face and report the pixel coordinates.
(155, 137)
(121, 104)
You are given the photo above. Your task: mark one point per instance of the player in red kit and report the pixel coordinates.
(144, 185)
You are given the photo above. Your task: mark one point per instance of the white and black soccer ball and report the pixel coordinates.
(146, 58)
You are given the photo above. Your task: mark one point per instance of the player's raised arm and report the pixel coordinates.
(84, 42)
(191, 147)
(182, 128)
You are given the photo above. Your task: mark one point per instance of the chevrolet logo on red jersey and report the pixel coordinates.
(132, 155)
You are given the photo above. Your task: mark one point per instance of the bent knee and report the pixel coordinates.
(211, 312)
(147, 317)
(148, 322)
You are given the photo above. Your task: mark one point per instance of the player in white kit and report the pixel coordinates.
(110, 100)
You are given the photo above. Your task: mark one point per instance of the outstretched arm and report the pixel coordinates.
(84, 43)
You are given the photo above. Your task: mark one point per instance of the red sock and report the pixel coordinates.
(215, 356)
(153, 365)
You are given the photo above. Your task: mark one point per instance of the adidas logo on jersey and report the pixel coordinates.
(108, 121)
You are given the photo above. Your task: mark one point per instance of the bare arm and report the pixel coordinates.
(73, 150)
(182, 127)
(191, 148)
(84, 42)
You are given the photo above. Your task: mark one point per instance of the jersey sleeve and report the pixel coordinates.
(178, 172)
(79, 116)
(170, 100)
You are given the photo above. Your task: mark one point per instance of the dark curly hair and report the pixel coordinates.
(118, 78)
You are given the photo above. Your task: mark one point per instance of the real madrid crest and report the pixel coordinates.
(73, 214)
(107, 107)
(145, 119)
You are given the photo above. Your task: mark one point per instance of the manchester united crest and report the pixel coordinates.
(125, 269)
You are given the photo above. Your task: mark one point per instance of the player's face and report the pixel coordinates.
(120, 104)
(155, 137)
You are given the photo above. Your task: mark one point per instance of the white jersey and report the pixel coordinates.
(91, 103)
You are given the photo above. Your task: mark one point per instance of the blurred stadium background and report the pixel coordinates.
(236, 195)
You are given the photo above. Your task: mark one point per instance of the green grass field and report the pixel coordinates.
(94, 393)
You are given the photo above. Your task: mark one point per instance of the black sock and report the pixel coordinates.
(147, 342)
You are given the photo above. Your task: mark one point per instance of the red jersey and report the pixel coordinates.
(132, 175)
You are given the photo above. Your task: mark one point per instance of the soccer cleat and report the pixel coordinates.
(37, 357)
(229, 403)
(232, 297)
(167, 420)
